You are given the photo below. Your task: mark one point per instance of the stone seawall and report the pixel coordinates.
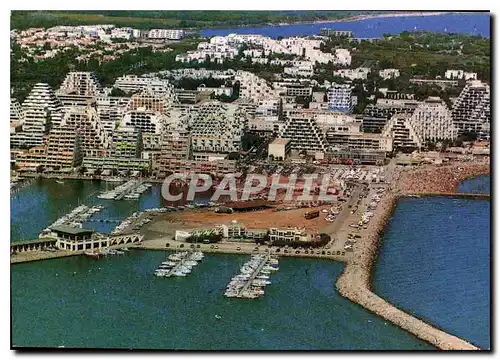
(355, 284)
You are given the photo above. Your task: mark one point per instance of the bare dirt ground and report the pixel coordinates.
(263, 219)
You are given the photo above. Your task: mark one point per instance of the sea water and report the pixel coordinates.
(434, 262)
(472, 24)
(116, 302)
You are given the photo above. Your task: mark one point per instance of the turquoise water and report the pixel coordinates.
(434, 262)
(117, 303)
(35, 207)
(473, 24)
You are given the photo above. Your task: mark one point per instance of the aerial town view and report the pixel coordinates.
(250, 180)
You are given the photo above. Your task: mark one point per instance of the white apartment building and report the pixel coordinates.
(81, 83)
(265, 125)
(389, 73)
(304, 133)
(134, 83)
(340, 98)
(143, 120)
(349, 136)
(222, 90)
(16, 112)
(460, 74)
(405, 136)
(168, 34)
(217, 127)
(256, 53)
(124, 143)
(122, 33)
(37, 124)
(212, 50)
(202, 73)
(343, 57)
(288, 234)
(110, 110)
(253, 87)
(300, 69)
(471, 110)
(86, 122)
(294, 88)
(353, 74)
(42, 95)
(432, 120)
(268, 107)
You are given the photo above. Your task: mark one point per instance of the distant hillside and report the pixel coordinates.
(170, 19)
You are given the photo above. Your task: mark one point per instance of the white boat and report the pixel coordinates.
(178, 273)
(169, 263)
(114, 179)
(174, 257)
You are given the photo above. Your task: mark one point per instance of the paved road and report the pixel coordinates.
(333, 228)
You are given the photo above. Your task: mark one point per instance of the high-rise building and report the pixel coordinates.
(37, 124)
(111, 110)
(304, 133)
(253, 87)
(145, 121)
(405, 137)
(375, 116)
(432, 120)
(16, 112)
(158, 100)
(81, 83)
(471, 110)
(63, 148)
(340, 97)
(217, 127)
(125, 143)
(85, 121)
(43, 96)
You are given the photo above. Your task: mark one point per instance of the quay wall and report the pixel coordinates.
(450, 194)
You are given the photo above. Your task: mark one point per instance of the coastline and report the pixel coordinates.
(341, 20)
(355, 283)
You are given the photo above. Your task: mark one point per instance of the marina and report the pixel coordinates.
(254, 276)
(179, 264)
(131, 190)
(74, 218)
(348, 291)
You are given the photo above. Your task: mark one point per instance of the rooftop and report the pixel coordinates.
(280, 141)
(71, 230)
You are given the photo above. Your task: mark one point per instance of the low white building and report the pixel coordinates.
(222, 90)
(279, 148)
(460, 74)
(169, 34)
(353, 74)
(389, 73)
